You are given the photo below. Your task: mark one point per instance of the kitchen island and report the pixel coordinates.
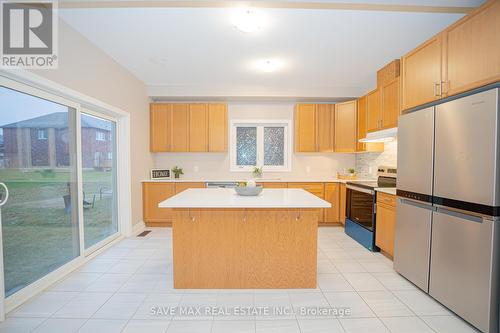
(225, 241)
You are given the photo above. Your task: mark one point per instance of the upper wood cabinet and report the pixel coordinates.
(388, 73)
(325, 114)
(179, 127)
(390, 104)
(196, 127)
(373, 111)
(383, 106)
(160, 133)
(472, 49)
(464, 56)
(361, 130)
(421, 73)
(305, 128)
(345, 127)
(314, 128)
(217, 127)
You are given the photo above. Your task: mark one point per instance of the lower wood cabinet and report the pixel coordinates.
(152, 194)
(273, 185)
(318, 189)
(386, 222)
(155, 192)
(342, 202)
(179, 187)
(332, 195)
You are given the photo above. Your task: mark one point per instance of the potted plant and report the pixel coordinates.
(257, 172)
(177, 171)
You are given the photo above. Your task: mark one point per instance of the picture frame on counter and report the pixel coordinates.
(161, 174)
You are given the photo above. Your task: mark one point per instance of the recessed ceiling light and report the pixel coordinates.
(247, 20)
(269, 65)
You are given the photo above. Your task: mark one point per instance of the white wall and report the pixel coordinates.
(217, 165)
(87, 69)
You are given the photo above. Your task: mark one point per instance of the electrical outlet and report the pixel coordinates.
(308, 169)
(196, 168)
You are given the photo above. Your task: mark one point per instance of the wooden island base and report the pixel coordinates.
(245, 248)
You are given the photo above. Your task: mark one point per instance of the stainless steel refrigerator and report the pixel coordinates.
(448, 208)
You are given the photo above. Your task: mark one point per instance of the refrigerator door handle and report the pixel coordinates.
(469, 216)
(418, 204)
(360, 189)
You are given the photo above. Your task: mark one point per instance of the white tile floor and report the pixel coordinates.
(115, 292)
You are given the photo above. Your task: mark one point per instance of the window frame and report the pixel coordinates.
(100, 136)
(44, 132)
(260, 124)
(31, 84)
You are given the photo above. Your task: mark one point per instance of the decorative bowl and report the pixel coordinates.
(248, 191)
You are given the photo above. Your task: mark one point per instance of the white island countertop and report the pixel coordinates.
(227, 198)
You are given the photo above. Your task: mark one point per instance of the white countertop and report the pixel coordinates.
(227, 198)
(391, 190)
(263, 180)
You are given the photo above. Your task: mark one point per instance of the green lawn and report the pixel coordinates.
(38, 233)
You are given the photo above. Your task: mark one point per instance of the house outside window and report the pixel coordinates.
(262, 143)
(42, 134)
(100, 136)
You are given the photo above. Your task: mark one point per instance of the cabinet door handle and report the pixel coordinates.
(436, 86)
(443, 85)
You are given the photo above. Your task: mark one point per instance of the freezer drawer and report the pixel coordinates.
(466, 150)
(413, 241)
(464, 264)
(415, 151)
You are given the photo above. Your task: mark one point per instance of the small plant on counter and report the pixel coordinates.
(257, 172)
(351, 171)
(177, 171)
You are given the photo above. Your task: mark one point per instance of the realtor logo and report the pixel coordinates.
(28, 34)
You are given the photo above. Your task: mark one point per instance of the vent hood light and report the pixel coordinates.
(386, 135)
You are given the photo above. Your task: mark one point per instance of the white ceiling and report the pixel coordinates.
(187, 52)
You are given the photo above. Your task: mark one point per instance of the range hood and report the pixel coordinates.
(381, 136)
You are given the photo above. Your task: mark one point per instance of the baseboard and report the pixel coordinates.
(138, 228)
(158, 224)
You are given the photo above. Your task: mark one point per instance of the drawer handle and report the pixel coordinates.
(297, 217)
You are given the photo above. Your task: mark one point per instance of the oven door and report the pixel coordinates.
(360, 203)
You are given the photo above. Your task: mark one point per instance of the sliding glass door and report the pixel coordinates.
(59, 165)
(38, 164)
(99, 178)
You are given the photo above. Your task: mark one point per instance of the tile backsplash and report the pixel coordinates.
(367, 163)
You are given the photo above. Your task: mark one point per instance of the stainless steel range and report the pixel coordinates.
(361, 207)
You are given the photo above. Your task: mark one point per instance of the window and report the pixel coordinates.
(42, 134)
(264, 144)
(100, 136)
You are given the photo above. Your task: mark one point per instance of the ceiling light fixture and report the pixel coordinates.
(247, 20)
(269, 65)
